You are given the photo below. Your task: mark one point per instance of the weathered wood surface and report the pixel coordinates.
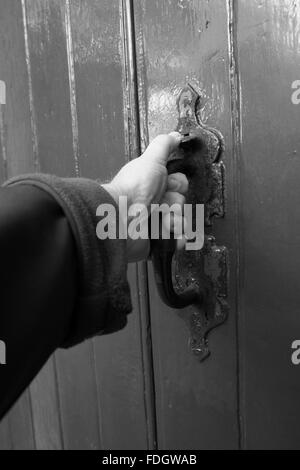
(16, 158)
(268, 40)
(88, 84)
(64, 65)
(180, 42)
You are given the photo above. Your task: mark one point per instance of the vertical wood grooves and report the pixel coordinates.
(36, 164)
(147, 355)
(236, 113)
(76, 155)
(32, 420)
(99, 414)
(3, 142)
(37, 168)
(60, 419)
(132, 88)
(134, 141)
(72, 85)
(3, 153)
(35, 144)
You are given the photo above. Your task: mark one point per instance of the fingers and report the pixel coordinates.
(174, 198)
(173, 223)
(160, 151)
(162, 146)
(173, 220)
(178, 182)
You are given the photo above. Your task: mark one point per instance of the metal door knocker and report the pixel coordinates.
(196, 281)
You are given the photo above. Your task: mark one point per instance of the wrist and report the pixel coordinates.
(116, 194)
(112, 190)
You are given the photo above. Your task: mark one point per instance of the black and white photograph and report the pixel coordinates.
(149, 228)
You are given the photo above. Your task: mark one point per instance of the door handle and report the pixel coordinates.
(196, 279)
(163, 251)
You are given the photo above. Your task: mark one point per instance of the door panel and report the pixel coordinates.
(177, 43)
(268, 54)
(70, 63)
(17, 158)
(53, 152)
(100, 76)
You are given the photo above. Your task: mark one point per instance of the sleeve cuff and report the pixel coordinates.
(103, 301)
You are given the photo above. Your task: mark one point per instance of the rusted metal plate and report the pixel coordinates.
(199, 275)
(208, 270)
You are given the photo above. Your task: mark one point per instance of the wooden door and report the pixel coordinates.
(89, 83)
(66, 69)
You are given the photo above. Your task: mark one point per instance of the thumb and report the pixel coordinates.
(162, 146)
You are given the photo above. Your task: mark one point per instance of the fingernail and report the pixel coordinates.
(177, 136)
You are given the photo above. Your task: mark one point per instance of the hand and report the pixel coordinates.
(146, 181)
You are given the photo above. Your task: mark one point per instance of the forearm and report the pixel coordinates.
(59, 283)
(38, 279)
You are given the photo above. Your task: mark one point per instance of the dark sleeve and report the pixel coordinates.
(59, 284)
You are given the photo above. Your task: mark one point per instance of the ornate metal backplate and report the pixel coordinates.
(206, 269)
